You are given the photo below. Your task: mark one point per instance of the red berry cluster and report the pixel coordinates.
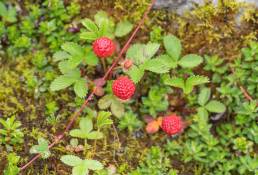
(172, 124)
(123, 88)
(104, 47)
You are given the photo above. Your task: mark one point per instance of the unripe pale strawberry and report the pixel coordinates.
(127, 64)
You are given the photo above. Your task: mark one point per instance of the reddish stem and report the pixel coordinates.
(75, 115)
(243, 90)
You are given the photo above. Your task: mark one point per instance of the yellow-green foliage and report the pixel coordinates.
(132, 10)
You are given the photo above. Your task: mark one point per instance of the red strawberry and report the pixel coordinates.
(172, 124)
(104, 47)
(123, 88)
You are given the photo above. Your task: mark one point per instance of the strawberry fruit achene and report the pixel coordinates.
(123, 88)
(172, 125)
(104, 47)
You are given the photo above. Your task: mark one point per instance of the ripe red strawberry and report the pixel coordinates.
(104, 47)
(123, 88)
(172, 124)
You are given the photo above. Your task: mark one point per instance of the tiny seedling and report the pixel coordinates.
(86, 130)
(41, 148)
(81, 167)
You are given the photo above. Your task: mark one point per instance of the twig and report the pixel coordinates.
(75, 115)
(243, 90)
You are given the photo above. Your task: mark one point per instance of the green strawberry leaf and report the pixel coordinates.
(66, 80)
(86, 125)
(71, 160)
(136, 73)
(173, 46)
(95, 135)
(215, 106)
(190, 61)
(204, 96)
(90, 25)
(93, 164)
(81, 88)
(123, 28)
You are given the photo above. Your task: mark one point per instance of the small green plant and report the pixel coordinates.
(86, 127)
(208, 105)
(155, 163)
(186, 85)
(243, 145)
(215, 64)
(81, 167)
(70, 58)
(41, 148)
(104, 26)
(103, 119)
(248, 164)
(7, 13)
(111, 101)
(142, 57)
(157, 101)
(86, 130)
(12, 165)
(11, 134)
(130, 122)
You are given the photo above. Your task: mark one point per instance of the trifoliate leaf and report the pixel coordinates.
(41, 148)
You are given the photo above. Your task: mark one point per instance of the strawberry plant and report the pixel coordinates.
(179, 97)
(81, 167)
(41, 148)
(85, 131)
(130, 122)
